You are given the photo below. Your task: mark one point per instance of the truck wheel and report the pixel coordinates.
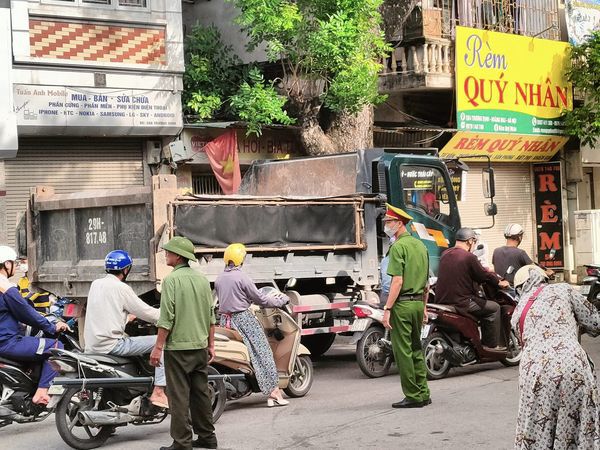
(373, 360)
(318, 344)
(301, 378)
(218, 394)
(75, 434)
(437, 365)
(514, 351)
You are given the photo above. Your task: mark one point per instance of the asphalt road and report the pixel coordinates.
(474, 407)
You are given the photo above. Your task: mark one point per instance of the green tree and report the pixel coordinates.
(218, 86)
(329, 51)
(584, 73)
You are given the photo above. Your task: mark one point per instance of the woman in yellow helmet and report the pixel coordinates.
(236, 292)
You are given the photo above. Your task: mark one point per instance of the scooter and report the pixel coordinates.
(291, 358)
(591, 284)
(374, 352)
(18, 383)
(100, 392)
(454, 340)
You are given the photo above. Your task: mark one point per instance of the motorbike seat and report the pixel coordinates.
(109, 359)
(13, 362)
(229, 333)
(439, 306)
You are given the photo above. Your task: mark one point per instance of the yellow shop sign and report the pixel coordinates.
(502, 147)
(513, 84)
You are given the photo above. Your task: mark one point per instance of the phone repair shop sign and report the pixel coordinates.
(106, 112)
(548, 214)
(503, 147)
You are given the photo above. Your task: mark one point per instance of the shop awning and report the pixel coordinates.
(504, 147)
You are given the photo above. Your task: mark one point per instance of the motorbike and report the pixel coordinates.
(591, 284)
(454, 340)
(98, 393)
(374, 352)
(18, 383)
(291, 357)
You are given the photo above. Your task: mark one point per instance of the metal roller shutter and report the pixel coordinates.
(69, 165)
(514, 197)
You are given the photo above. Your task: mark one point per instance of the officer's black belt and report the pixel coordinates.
(408, 298)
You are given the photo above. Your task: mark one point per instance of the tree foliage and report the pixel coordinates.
(218, 86)
(584, 73)
(335, 44)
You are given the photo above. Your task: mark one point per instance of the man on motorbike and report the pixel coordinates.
(14, 310)
(510, 255)
(459, 273)
(109, 306)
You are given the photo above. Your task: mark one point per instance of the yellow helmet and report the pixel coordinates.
(235, 253)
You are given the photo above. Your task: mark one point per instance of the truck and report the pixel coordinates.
(314, 223)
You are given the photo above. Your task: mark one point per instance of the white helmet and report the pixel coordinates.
(525, 272)
(7, 254)
(513, 229)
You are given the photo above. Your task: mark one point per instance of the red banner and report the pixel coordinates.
(223, 157)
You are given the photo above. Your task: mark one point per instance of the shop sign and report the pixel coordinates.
(60, 106)
(583, 17)
(503, 148)
(271, 144)
(549, 214)
(513, 84)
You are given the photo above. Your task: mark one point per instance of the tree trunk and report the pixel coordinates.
(346, 133)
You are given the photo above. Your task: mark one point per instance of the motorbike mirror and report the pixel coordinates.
(480, 247)
(290, 283)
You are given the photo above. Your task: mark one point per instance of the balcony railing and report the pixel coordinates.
(424, 56)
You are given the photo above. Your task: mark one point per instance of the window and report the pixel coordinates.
(425, 192)
(205, 183)
(113, 4)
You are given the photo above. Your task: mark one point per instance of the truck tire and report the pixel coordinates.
(318, 344)
(372, 359)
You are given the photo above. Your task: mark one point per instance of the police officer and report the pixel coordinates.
(404, 310)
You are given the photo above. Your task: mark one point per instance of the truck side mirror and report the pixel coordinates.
(491, 209)
(489, 186)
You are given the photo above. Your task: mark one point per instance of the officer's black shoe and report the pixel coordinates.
(426, 402)
(203, 443)
(174, 446)
(406, 403)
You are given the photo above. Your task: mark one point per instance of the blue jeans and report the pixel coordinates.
(141, 345)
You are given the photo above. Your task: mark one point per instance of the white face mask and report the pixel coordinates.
(390, 230)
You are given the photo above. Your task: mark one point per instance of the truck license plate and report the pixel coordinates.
(425, 331)
(585, 289)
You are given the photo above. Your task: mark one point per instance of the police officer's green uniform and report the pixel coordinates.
(410, 260)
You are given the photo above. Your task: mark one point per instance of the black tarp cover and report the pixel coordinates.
(267, 225)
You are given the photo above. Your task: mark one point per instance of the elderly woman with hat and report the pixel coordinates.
(236, 292)
(559, 403)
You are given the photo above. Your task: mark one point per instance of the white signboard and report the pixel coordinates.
(58, 106)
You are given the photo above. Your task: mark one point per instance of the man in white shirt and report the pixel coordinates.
(110, 302)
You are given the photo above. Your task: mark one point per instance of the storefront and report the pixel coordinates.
(84, 139)
(196, 175)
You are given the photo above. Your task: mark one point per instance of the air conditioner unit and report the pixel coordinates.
(587, 237)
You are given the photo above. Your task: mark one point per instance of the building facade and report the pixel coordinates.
(95, 90)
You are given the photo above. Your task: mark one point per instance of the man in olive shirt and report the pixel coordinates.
(405, 307)
(186, 333)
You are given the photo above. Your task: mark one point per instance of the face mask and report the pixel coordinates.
(24, 268)
(390, 230)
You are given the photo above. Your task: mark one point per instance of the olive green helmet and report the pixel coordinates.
(181, 246)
